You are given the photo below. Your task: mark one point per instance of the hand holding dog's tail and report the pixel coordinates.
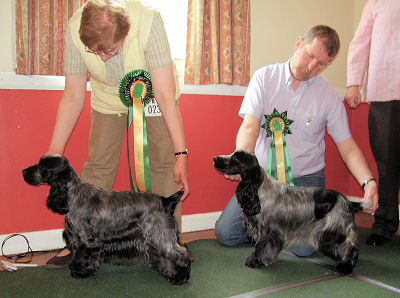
(359, 204)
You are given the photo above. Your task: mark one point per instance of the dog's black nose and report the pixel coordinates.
(25, 175)
(25, 172)
(217, 160)
(29, 175)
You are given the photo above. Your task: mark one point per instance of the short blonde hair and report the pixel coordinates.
(103, 23)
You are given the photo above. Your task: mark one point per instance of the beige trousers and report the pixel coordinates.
(105, 139)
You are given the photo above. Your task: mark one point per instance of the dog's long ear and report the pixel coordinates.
(247, 195)
(252, 177)
(58, 173)
(57, 201)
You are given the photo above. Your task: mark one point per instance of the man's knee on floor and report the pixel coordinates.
(222, 233)
(302, 250)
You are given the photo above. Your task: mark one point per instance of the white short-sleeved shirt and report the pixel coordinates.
(314, 106)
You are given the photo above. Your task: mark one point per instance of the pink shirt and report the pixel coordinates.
(375, 51)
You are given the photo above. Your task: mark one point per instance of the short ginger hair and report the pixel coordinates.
(103, 23)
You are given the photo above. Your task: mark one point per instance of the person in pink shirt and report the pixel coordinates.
(373, 64)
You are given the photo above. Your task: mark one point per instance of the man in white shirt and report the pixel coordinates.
(296, 90)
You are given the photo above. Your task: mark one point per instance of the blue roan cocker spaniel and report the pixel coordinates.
(276, 215)
(117, 227)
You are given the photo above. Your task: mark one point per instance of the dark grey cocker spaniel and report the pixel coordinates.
(276, 215)
(116, 227)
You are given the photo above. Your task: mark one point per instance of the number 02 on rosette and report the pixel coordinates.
(136, 91)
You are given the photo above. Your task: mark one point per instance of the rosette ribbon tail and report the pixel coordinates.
(141, 151)
(135, 92)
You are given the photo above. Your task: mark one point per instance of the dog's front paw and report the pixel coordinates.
(254, 262)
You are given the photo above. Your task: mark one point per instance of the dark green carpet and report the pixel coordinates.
(379, 263)
(217, 271)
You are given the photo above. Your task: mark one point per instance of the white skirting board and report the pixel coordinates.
(52, 239)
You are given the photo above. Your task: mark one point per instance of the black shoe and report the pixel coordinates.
(376, 240)
(59, 262)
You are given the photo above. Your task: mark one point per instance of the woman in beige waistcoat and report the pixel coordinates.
(104, 41)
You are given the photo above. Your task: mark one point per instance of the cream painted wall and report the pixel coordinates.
(6, 28)
(276, 24)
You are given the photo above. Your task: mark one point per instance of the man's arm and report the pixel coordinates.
(359, 168)
(69, 109)
(164, 90)
(246, 138)
(248, 132)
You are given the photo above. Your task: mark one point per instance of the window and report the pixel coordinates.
(174, 14)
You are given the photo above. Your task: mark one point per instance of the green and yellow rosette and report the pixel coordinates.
(277, 127)
(136, 91)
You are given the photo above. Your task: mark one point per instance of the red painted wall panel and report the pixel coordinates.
(210, 122)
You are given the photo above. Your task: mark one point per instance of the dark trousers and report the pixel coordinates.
(384, 136)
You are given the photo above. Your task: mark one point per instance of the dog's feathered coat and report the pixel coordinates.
(117, 227)
(277, 215)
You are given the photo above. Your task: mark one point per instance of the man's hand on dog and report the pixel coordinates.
(233, 177)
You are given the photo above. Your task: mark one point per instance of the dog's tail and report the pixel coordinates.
(171, 202)
(358, 204)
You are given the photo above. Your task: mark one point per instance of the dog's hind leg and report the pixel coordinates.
(346, 266)
(169, 268)
(348, 252)
(181, 276)
(341, 248)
